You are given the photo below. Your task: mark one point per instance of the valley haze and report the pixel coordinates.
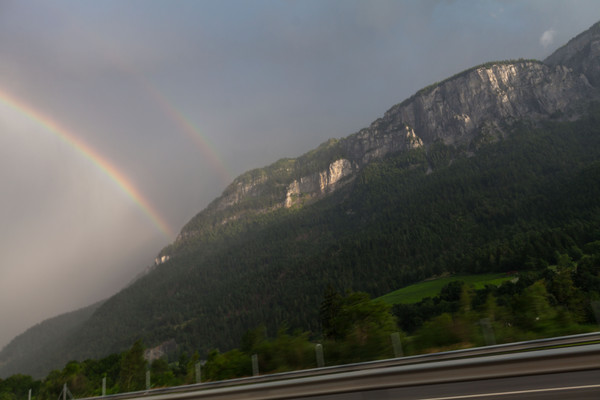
(122, 120)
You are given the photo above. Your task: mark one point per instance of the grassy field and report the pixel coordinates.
(431, 288)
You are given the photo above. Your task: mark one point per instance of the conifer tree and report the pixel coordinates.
(133, 369)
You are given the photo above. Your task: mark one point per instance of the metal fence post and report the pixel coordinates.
(198, 372)
(319, 354)
(397, 344)
(254, 364)
(596, 310)
(488, 332)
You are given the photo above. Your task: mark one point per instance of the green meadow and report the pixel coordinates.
(431, 288)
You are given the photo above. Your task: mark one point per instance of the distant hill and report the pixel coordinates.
(25, 351)
(477, 173)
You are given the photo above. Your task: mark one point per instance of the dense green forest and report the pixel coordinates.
(513, 204)
(46, 335)
(548, 300)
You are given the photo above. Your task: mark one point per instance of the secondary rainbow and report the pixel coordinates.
(104, 165)
(206, 148)
(122, 61)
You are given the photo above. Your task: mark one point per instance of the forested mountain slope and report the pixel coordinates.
(481, 172)
(22, 353)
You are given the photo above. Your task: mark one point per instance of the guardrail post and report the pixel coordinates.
(319, 354)
(488, 331)
(198, 372)
(104, 386)
(397, 344)
(254, 364)
(148, 380)
(29, 396)
(596, 310)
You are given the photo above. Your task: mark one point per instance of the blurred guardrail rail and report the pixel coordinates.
(543, 356)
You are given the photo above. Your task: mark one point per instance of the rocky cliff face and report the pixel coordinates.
(456, 110)
(319, 183)
(581, 55)
(459, 111)
(381, 138)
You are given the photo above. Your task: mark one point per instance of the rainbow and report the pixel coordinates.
(100, 162)
(187, 126)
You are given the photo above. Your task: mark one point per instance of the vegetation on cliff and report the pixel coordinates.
(518, 202)
(497, 184)
(548, 300)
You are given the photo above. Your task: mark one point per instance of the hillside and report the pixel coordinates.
(477, 173)
(21, 354)
(431, 287)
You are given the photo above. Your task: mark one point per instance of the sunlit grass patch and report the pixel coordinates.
(431, 288)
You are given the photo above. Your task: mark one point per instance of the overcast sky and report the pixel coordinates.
(120, 120)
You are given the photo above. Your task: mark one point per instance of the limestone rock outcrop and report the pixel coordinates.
(459, 111)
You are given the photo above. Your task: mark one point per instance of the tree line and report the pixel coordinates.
(512, 206)
(546, 300)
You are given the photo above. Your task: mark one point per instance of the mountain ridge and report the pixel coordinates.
(452, 120)
(496, 92)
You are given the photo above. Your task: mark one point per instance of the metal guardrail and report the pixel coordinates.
(510, 359)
